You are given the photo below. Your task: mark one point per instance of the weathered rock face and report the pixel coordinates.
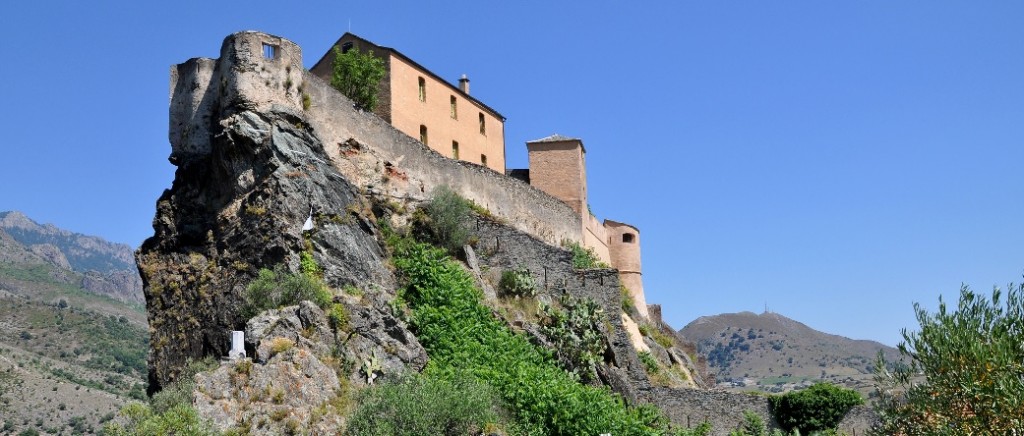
(291, 379)
(239, 200)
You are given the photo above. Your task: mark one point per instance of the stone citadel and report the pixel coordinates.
(262, 146)
(557, 163)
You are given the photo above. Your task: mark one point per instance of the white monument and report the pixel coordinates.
(237, 345)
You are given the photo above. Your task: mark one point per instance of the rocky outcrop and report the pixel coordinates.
(250, 173)
(235, 210)
(279, 396)
(123, 285)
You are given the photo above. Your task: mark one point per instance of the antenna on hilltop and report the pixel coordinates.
(349, 25)
(766, 306)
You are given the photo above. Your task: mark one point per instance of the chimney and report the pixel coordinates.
(464, 84)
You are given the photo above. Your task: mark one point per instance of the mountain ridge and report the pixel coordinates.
(774, 353)
(90, 262)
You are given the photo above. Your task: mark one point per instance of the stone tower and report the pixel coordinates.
(558, 167)
(624, 249)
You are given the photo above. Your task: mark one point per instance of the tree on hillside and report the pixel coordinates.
(358, 75)
(962, 373)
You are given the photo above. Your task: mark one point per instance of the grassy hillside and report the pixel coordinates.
(69, 357)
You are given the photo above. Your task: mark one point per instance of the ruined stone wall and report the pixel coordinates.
(724, 410)
(502, 248)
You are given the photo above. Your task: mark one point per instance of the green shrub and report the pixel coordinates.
(583, 258)
(308, 265)
(819, 407)
(661, 338)
(971, 359)
(180, 391)
(462, 337)
(447, 217)
(517, 283)
(650, 363)
(418, 405)
(337, 316)
(139, 419)
(575, 334)
(170, 410)
(627, 300)
(358, 76)
(278, 288)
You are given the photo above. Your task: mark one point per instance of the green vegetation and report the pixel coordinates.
(358, 76)
(416, 405)
(306, 101)
(278, 287)
(517, 283)
(445, 219)
(656, 334)
(574, 331)
(462, 338)
(169, 412)
(110, 344)
(583, 258)
(817, 408)
(650, 364)
(753, 425)
(337, 316)
(627, 301)
(971, 360)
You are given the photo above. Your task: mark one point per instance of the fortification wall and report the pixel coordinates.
(192, 103)
(383, 160)
(724, 410)
(595, 236)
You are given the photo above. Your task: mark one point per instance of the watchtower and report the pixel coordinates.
(558, 167)
(624, 249)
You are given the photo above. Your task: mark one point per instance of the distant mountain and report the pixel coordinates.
(82, 252)
(73, 334)
(773, 353)
(90, 262)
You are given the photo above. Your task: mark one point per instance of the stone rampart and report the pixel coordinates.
(724, 410)
(595, 236)
(383, 160)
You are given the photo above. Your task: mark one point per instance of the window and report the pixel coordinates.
(423, 134)
(483, 159)
(483, 125)
(455, 149)
(628, 238)
(346, 47)
(269, 51)
(423, 89)
(455, 109)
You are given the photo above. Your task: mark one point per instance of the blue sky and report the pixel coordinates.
(836, 161)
